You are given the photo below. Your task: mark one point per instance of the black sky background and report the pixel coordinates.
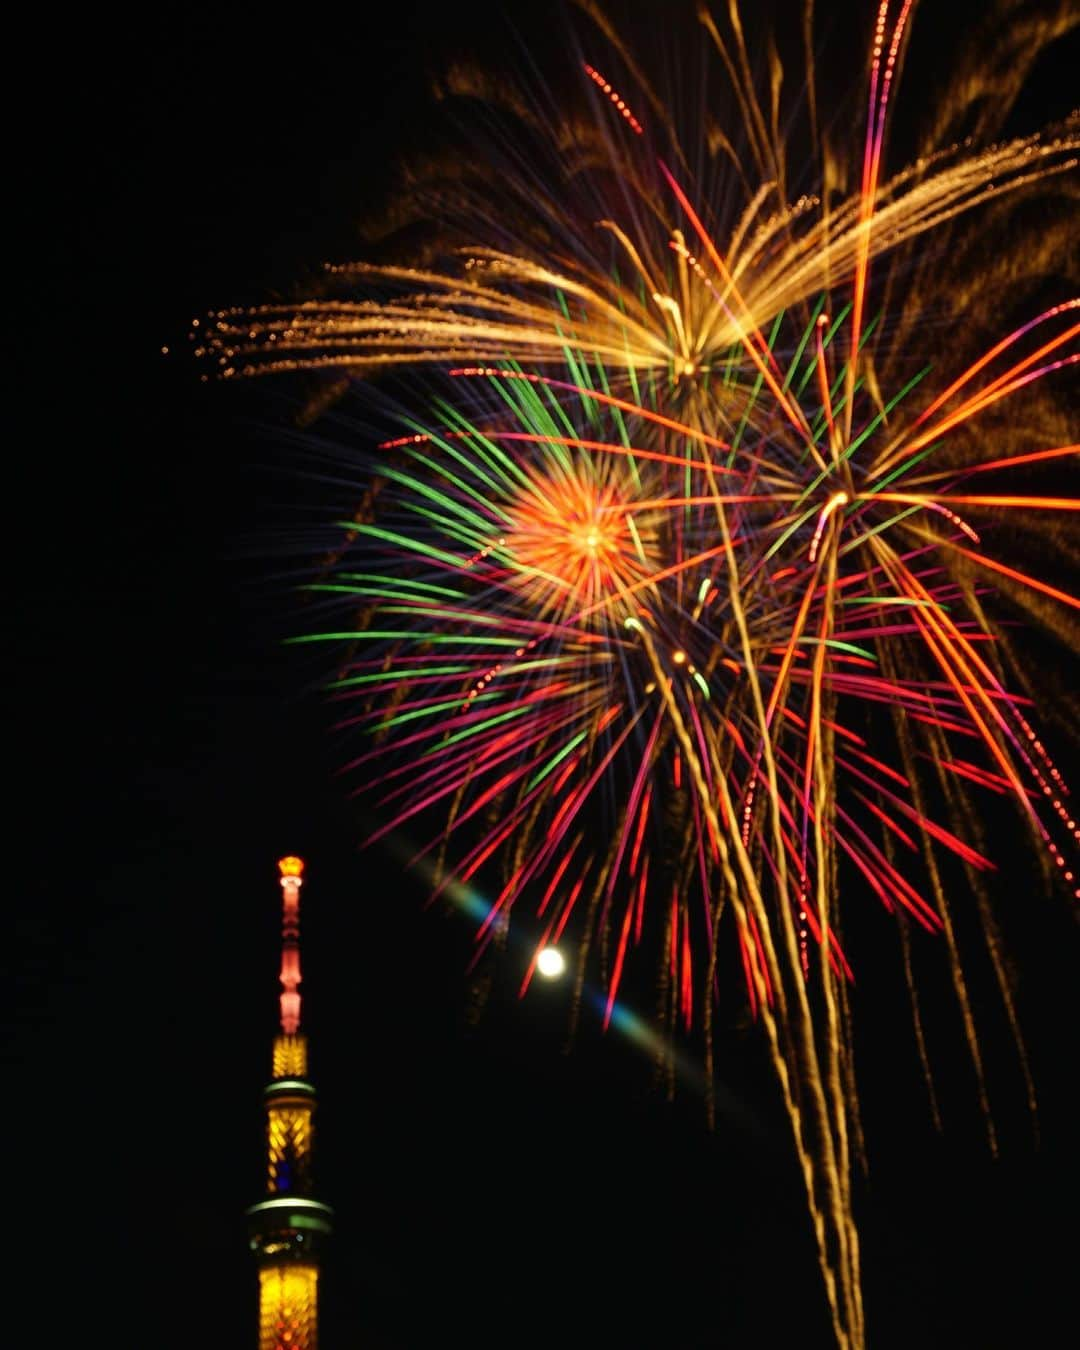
(168, 749)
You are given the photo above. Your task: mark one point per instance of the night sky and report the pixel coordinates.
(490, 1187)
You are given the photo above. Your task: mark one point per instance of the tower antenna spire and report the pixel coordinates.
(292, 878)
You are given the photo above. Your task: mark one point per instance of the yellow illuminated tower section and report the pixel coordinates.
(288, 1226)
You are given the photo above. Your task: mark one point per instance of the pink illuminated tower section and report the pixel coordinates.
(288, 1227)
(291, 870)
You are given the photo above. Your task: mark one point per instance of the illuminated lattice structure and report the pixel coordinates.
(288, 1226)
(288, 1297)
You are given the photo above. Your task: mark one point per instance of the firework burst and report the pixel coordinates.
(687, 594)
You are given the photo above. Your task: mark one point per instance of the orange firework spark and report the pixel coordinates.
(576, 543)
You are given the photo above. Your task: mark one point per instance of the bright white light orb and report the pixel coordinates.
(550, 963)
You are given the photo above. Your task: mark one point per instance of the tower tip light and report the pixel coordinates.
(290, 867)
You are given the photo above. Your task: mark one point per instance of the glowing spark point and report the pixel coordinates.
(551, 963)
(836, 500)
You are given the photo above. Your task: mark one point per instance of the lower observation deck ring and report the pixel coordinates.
(290, 1214)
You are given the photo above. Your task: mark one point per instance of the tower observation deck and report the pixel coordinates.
(288, 1227)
